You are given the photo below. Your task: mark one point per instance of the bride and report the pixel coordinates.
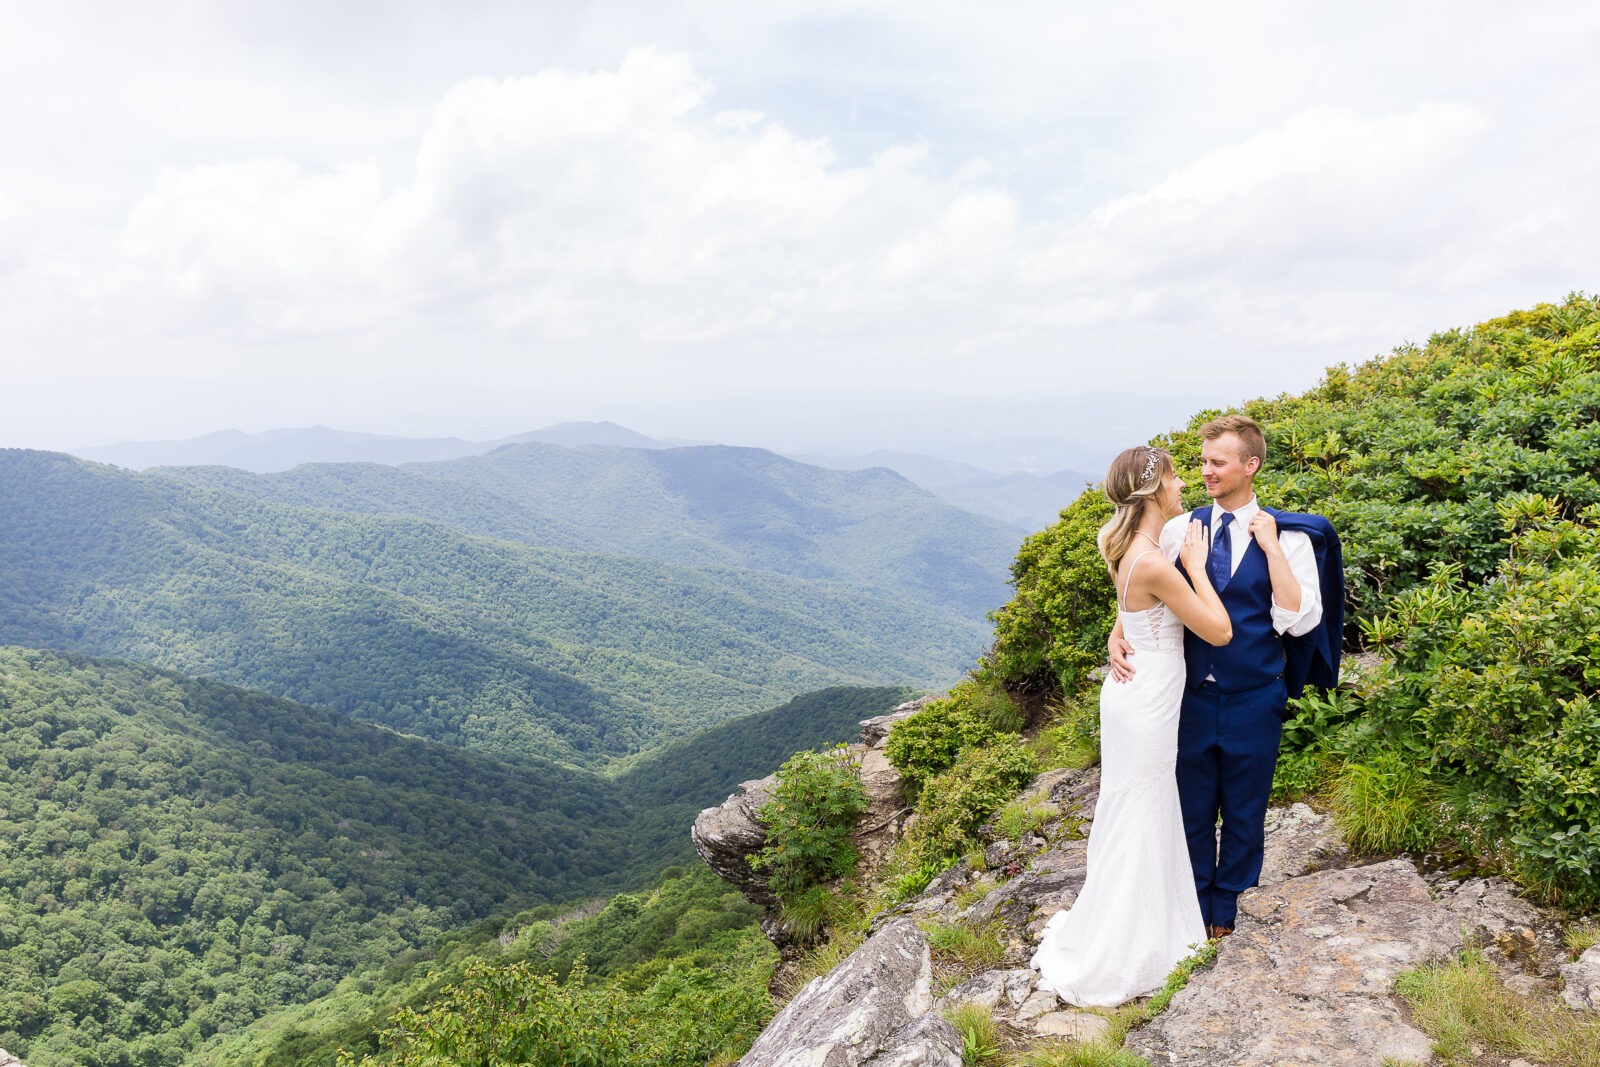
(1137, 914)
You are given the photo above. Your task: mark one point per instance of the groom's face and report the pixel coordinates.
(1227, 473)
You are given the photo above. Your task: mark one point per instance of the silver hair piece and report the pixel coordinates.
(1149, 467)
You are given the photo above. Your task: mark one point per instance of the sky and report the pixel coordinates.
(1026, 233)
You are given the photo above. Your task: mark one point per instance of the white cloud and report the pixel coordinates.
(571, 204)
(854, 195)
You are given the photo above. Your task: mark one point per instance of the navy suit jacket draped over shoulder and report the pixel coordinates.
(1313, 658)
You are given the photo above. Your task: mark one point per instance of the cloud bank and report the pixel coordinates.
(633, 229)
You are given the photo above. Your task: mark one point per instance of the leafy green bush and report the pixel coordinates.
(513, 1013)
(809, 820)
(976, 712)
(957, 801)
(510, 1014)
(1500, 682)
(1053, 632)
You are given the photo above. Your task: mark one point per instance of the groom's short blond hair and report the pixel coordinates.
(1251, 441)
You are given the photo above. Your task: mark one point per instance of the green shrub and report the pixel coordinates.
(1498, 685)
(809, 820)
(1072, 740)
(957, 801)
(1054, 630)
(975, 713)
(512, 1013)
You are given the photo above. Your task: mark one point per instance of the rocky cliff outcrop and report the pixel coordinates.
(727, 835)
(1306, 978)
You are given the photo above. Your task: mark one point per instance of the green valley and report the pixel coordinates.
(181, 857)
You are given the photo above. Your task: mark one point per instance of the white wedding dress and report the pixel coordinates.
(1137, 914)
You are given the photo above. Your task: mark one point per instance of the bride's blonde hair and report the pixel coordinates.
(1135, 476)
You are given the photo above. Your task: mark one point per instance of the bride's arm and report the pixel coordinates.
(1198, 607)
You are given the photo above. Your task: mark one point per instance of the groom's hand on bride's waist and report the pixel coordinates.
(1121, 653)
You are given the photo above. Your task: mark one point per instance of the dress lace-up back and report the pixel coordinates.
(1153, 629)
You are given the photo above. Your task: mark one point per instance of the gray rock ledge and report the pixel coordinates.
(875, 1008)
(1307, 977)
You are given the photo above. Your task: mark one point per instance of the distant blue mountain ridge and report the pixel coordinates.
(1020, 499)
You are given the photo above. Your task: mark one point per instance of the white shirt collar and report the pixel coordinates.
(1241, 515)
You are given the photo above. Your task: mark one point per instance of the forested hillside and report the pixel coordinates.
(671, 976)
(705, 506)
(181, 857)
(412, 624)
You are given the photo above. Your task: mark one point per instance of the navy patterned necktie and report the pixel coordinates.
(1220, 564)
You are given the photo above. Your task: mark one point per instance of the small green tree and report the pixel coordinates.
(809, 820)
(509, 1014)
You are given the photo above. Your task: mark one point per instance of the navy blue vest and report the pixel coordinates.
(1255, 655)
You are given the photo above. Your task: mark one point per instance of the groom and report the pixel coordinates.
(1265, 566)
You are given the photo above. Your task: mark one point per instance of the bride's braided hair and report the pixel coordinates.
(1135, 476)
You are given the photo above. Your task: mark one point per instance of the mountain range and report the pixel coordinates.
(580, 605)
(278, 450)
(1018, 498)
(269, 730)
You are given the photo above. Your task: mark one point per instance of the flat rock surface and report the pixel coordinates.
(1306, 978)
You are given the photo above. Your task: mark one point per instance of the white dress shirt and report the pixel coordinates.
(1296, 549)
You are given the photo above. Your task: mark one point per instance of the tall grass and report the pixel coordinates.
(1384, 805)
(1465, 1010)
(980, 1034)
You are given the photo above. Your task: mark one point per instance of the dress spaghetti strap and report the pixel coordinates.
(1123, 602)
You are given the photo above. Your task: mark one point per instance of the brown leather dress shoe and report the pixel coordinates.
(1215, 932)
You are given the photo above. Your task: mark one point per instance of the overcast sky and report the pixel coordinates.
(790, 224)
